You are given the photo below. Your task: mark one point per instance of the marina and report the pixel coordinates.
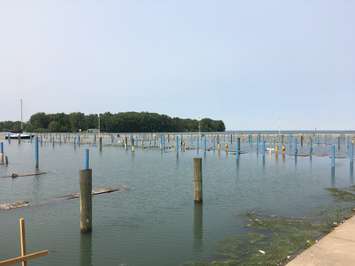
(156, 213)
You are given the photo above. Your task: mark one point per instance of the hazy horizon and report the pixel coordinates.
(255, 65)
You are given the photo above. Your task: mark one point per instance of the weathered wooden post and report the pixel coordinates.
(198, 180)
(86, 196)
(6, 161)
(2, 155)
(36, 153)
(22, 240)
(339, 143)
(310, 147)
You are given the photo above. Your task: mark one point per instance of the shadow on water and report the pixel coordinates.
(237, 169)
(85, 249)
(198, 227)
(296, 161)
(133, 156)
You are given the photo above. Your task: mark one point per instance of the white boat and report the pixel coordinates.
(19, 135)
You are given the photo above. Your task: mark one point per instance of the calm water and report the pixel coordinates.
(155, 222)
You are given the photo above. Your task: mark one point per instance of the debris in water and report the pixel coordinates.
(14, 205)
(21, 204)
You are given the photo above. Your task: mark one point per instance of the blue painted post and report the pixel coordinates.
(332, 155)
(36, 153)
(86, 159)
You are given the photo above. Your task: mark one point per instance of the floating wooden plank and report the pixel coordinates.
(27, 257)
(21, 204)
(14, 205)
(15, 175)
(96, 191)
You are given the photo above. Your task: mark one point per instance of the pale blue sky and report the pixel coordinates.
(255, 64)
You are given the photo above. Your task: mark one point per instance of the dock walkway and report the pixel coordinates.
(336, 248)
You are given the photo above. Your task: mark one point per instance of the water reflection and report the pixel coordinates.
(133, 156)
(237, 169)
(177, 161)
(198, 227)
(85, 249)
(296, 160)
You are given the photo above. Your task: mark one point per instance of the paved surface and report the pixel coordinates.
(336, 248)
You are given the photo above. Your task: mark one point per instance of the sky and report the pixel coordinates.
(271, 64)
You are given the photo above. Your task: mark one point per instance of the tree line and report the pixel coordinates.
(119, 122)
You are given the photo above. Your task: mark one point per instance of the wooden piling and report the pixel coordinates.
(85, 200)
(198, 180)
(22, 240)
(6, 161)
